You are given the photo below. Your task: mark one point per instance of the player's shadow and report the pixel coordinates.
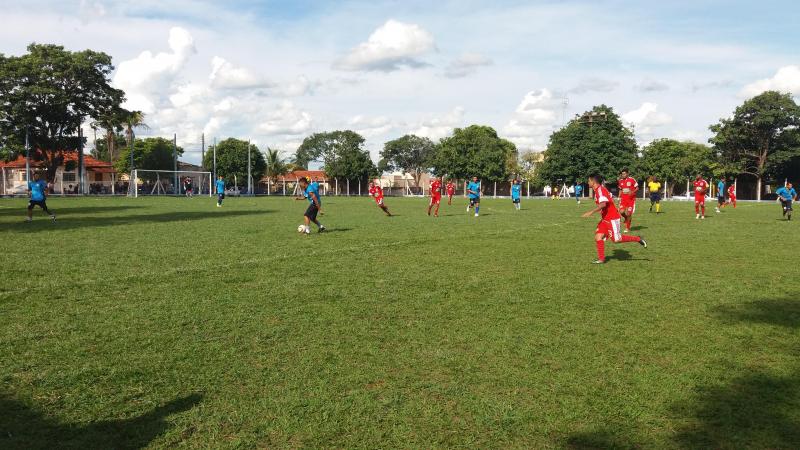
(638, 227)
(623, 255)
(23, 427)
(65, 222)
(20, 212)
(336, 230)
(611, 438)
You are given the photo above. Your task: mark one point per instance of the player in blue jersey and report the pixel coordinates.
(37, 189)
(578, 192)
(220, 185)
(311, 193)
(786, 195)
(516, 194)
(720, 195)
(474, 194)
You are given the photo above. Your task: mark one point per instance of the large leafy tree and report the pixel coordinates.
(762, 136)
(232, 161)
(342, 152)
(474, 151)
(410, 154)
(50, 92)
(153, 153)
(675, 161)
(596, 142)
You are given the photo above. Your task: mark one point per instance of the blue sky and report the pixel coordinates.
(277, 71)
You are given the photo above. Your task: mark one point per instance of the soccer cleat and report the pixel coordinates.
(642, 242)
(28, 219)
(703, 217)
(626, 231)
(321, 229)
(53, 217)
(718, 211)
(476, 214)
(467, 208)
(599, 261)
(697, 216)
(219, 206)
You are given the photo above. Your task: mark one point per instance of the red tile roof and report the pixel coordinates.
(297, 174)
(90, 163)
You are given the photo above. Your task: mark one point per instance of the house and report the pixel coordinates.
(101, 177)
(286, 184)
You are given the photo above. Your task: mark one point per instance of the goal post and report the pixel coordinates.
(146, 182)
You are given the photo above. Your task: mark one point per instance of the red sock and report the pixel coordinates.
(628, 223)
(703, 208)
(601, 250)
(629, 238)
(697, 209)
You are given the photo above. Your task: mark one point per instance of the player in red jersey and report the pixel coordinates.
(376, 192)
(700, 189)
(451, 190)
(609, 226)
(628, 187)
(732, 195)
(436, 196)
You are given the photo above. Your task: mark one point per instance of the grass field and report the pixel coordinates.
(168, 322)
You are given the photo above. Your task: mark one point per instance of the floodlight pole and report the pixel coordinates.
(132, 188)
(249, 178)
(202, 151)
(81, 169)
(27, 156)
(215, 159)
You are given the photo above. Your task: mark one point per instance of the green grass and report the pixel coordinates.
(168, 322)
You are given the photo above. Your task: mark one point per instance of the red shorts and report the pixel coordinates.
(450, 193)
(700, 199)
(609, 229)
(435, 199)
(379, 200)
(627, 206)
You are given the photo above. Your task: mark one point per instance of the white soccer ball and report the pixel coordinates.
(301, 228)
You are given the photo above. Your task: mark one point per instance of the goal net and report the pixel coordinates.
(170, 182)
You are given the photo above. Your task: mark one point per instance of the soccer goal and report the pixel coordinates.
(170, 182)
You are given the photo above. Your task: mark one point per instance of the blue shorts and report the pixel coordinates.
(474, 200)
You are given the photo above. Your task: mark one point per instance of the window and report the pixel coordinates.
(67, 177)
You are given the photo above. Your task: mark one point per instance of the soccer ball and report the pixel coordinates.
(301, 228)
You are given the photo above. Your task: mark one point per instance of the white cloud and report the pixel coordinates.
(287, 120)
(441, 126)
(392, 46)
(594, 84)
(466, 64)
(646, 118)
(533, 119)
(371, 127)
(651, 85)
(787, 79)
(148, 76)
(225, 75)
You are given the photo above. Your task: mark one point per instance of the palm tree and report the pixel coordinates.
(275, 164)
(111, 122)
(131, 120)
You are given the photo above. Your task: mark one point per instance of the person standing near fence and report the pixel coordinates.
(220, 187)
(516, 194)
(187, 187)
(37, 189)
(655, 194)
(720, 195)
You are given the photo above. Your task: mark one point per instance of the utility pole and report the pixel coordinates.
(27, 156)
(215, 159)
(81, 171)
(132, 180)
(202, 150)
(249, 178)
(176, 187)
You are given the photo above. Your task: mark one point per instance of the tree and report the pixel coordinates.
(410, 154)
(761, 135)
(596, 142)
(675, 161)
(50, 92)
(274, 164)
(104, 152)
(474, 151)
(232, 161)
(529, 163)
(342, 152)
(153, 153)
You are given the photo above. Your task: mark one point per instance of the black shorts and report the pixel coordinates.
(721, 200)
(655, 197)
(473, 201)
(787, 205)
(311, 212)
(221, 196)
(515, 200)
(40, 203)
